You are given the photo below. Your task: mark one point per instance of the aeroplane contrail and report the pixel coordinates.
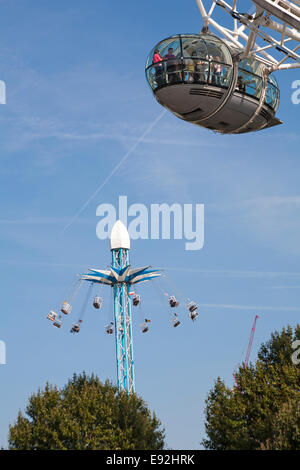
(130, 151)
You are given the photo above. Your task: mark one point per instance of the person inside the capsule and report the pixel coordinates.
(202, 68)
(196, 62)
(195, 69)
(171, 66)
(218, 71)
(159, 70)
(189, 70)
(240, 84)
(212, 78)
(226, 76)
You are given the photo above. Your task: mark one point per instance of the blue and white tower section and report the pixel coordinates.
(121, 277)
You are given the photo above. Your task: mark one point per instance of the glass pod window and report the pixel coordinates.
(163, 47)
(273, 94)
(207, 60)
(250, 82)
(164, 63)
(201, 59)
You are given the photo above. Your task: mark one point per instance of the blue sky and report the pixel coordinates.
(77, 101)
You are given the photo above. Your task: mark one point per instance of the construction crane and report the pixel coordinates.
(245, 363)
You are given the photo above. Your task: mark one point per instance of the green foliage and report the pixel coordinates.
(248, 417)
(285, 428)
(86, 414)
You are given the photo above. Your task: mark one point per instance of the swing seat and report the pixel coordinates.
(144, 328)
(173, 301)
(66, 308)
(193, 315)
(136, 299)
(75, 328)
(52, 315)
(97, 303)
(192, 306)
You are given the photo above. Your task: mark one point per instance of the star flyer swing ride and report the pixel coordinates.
(224, 82)
(121, 278)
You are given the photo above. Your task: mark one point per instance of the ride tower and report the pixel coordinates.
(121, 277)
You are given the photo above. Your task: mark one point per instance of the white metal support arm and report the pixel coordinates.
(270, 31)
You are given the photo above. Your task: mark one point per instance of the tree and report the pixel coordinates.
(249, 416)
(285, 428)
(86, 414)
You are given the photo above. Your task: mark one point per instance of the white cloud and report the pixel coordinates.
(285, 287)
(251, 307)
(231, 273)
(41, 221)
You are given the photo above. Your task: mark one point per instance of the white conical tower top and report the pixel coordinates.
(119, 237)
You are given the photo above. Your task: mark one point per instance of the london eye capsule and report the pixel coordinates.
(205, 81)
